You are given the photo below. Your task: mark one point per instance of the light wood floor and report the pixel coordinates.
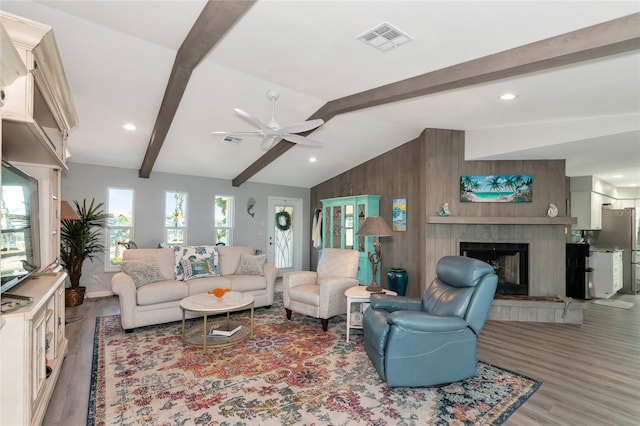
(590, 373)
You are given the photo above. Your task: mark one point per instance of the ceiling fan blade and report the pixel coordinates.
(252, 133)
(302, 126)
(251, 119)
(302, 140)
(269, 141)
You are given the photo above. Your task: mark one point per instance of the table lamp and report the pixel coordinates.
(374, 226)
(67, 212)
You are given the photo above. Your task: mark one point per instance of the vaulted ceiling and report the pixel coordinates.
(119, 58)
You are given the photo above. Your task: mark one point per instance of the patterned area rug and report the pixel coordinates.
(289, 373)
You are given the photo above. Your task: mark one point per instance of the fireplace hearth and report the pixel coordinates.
(510, 262)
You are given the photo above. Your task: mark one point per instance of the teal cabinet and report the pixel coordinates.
(341, 219)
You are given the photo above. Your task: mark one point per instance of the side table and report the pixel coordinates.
(359, 294)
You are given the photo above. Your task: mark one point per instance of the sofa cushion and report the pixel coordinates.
(250, 264)
(230, 258)
(163, 258)
(142, 271)
(162, 291)
(247, 282)
(198, 268)
(192, 252)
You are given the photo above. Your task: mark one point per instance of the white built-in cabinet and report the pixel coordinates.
(32, 339)
(37, 113)
(38, 110)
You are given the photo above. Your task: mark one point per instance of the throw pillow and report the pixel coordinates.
(143, 271)
(250, 264)
(199, 268)
(196, 253)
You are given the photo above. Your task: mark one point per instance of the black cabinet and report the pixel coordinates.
(578, 274)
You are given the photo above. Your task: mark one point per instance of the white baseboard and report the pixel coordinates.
(96, 294)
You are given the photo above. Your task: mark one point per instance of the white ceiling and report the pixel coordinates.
(118, 55)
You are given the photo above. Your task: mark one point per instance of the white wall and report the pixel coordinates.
(89, 181)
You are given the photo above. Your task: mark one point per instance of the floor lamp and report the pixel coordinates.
(374, 226)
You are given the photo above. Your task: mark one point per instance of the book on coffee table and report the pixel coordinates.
(223, 330)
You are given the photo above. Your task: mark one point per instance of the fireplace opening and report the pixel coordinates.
(510, 261)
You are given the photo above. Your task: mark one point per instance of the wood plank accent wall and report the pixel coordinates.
(399, 173)
(445, 165)
(426, 171)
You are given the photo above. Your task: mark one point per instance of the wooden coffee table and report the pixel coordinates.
(208, 304)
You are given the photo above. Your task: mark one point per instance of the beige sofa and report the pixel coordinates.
(158, 302)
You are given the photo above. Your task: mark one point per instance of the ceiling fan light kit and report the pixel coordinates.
(272, 132)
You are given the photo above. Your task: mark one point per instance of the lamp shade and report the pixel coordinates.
(67, 212)
(374, 226)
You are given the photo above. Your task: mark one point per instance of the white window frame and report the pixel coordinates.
(108, 267)
(231, 212)
(186, 219)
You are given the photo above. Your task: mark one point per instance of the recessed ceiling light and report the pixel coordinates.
(129, 126)
(617, 176)
(508, 97)
(312, 159)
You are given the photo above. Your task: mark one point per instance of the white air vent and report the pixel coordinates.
(385, 37)
(231, 139)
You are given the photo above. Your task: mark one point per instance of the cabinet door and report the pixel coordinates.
(349, 226)
(18, 101)
(39, 342)
(362, 214)
(337, 235)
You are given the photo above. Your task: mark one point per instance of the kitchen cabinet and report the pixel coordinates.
(32, 347)
(607, 272)
(586, 206)
(341, 219)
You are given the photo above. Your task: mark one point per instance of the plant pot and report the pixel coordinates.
(74, 296)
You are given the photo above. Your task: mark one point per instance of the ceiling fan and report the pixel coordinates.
(272, 132)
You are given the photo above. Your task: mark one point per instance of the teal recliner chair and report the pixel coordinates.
(432, 340)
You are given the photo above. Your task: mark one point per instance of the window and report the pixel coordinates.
(175, 225)
(120, 225)
(223, 219)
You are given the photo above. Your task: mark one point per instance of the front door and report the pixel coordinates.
(285, 233)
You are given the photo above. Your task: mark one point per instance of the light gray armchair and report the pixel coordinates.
(321, 294)
(433, 340)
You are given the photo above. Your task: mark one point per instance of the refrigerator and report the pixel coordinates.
(620, 230)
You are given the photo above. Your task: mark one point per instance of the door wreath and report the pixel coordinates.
(283, 220)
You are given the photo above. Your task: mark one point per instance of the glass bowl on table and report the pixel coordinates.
(219, 293)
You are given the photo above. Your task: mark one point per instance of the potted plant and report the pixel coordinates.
(81, 239)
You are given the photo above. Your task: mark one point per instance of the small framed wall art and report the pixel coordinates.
(399, 222)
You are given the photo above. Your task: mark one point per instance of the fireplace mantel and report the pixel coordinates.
(502, 220)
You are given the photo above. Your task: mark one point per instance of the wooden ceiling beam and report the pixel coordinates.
(598, 41)
(215, 20)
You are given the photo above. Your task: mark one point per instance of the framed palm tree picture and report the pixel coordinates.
(496, 189)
